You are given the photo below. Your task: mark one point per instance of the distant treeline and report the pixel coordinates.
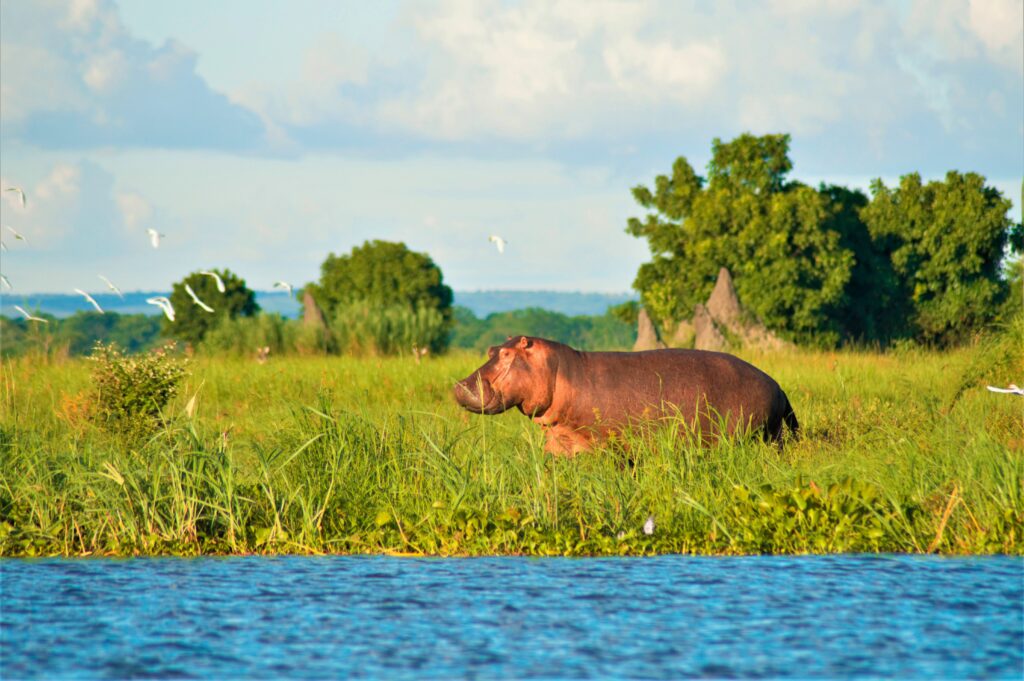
(77, 334)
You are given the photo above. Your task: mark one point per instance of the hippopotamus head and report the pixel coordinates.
(518, 373)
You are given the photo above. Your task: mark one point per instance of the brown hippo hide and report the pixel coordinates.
(578, 397)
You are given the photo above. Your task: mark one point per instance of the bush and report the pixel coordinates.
(363, 329)
(131, 391)
(246, 335)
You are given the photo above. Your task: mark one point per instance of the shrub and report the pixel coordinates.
(245, 335)
(365, 329)
(131, 391)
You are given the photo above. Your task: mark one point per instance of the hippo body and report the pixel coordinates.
(581, 397)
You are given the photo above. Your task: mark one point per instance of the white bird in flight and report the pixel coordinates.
(1013, 389)
(154, 237)
(6, 282)
(21, 194)
(90, 299)
(195, 299)
(164, 304)
(30, 317)
(497, 241)
(649, 525)
(3, 246)
(216, 278)
(285, 285)
(111, 286)
(17, 235)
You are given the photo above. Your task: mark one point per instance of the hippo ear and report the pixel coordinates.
(524, 342)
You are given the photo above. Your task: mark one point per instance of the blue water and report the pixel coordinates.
(668, 617)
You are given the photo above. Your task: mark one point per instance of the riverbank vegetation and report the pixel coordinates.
(904, 451)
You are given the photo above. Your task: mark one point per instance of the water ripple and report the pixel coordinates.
(666, 617)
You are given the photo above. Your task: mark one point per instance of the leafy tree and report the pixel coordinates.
(587, 332)
(873, 307)
(191, 322)
(789, 266)
(627, 312)
(83, 330)
(383, 274)
(946, 241)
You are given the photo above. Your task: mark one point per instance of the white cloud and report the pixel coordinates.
(135, 210)
(549, 71)
(52, 203)
(74, 77)
(999, 24)
(661, 69)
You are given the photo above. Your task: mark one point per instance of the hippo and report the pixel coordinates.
(581, 398)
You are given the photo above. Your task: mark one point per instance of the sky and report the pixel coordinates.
(262, 135)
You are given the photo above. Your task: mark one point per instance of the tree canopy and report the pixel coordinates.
(788, 264)
(946, 241)
(382, 273)
(191, 322)
(387, 291)
(821, 265)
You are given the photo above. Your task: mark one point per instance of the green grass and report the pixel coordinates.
(899, 452)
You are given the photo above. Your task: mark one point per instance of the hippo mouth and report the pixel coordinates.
(484, 400)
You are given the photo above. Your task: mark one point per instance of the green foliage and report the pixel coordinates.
(77, 334)
(381, 274)
(946, 241)
(788, 264)
(873, 308)
(605, 332)
(342, 455)
(919, 260)
(130, 392)
(361, 329)
(191, 322)
(851, 516)
(246, 335)
(627, 312)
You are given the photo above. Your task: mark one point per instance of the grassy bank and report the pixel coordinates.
(900, 452)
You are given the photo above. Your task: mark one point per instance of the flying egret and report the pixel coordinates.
(285, 285)
(30, 317)
(216, 278)
(649, 525)
(17, 235)
(164, 304)
(3, 246)
(6, 282)
(21, 194)
(89, 299)
(154, 237)
(111, 286)
(195, 299)
(497, 241)
(1013, 389)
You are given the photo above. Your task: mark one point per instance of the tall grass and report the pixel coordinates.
(339, 455)
(355, 330)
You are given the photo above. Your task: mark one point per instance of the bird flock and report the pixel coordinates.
(161, 302)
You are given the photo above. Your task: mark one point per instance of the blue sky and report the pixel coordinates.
(262, 135)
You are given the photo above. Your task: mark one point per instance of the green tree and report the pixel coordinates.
(946, 241)
(789, 266)
(873, 308)
(191, 322)
(82, 330)
(586, 332)
(384, 274)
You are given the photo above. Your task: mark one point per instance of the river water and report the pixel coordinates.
(378, 617)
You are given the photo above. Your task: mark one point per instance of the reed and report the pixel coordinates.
(900, 452)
